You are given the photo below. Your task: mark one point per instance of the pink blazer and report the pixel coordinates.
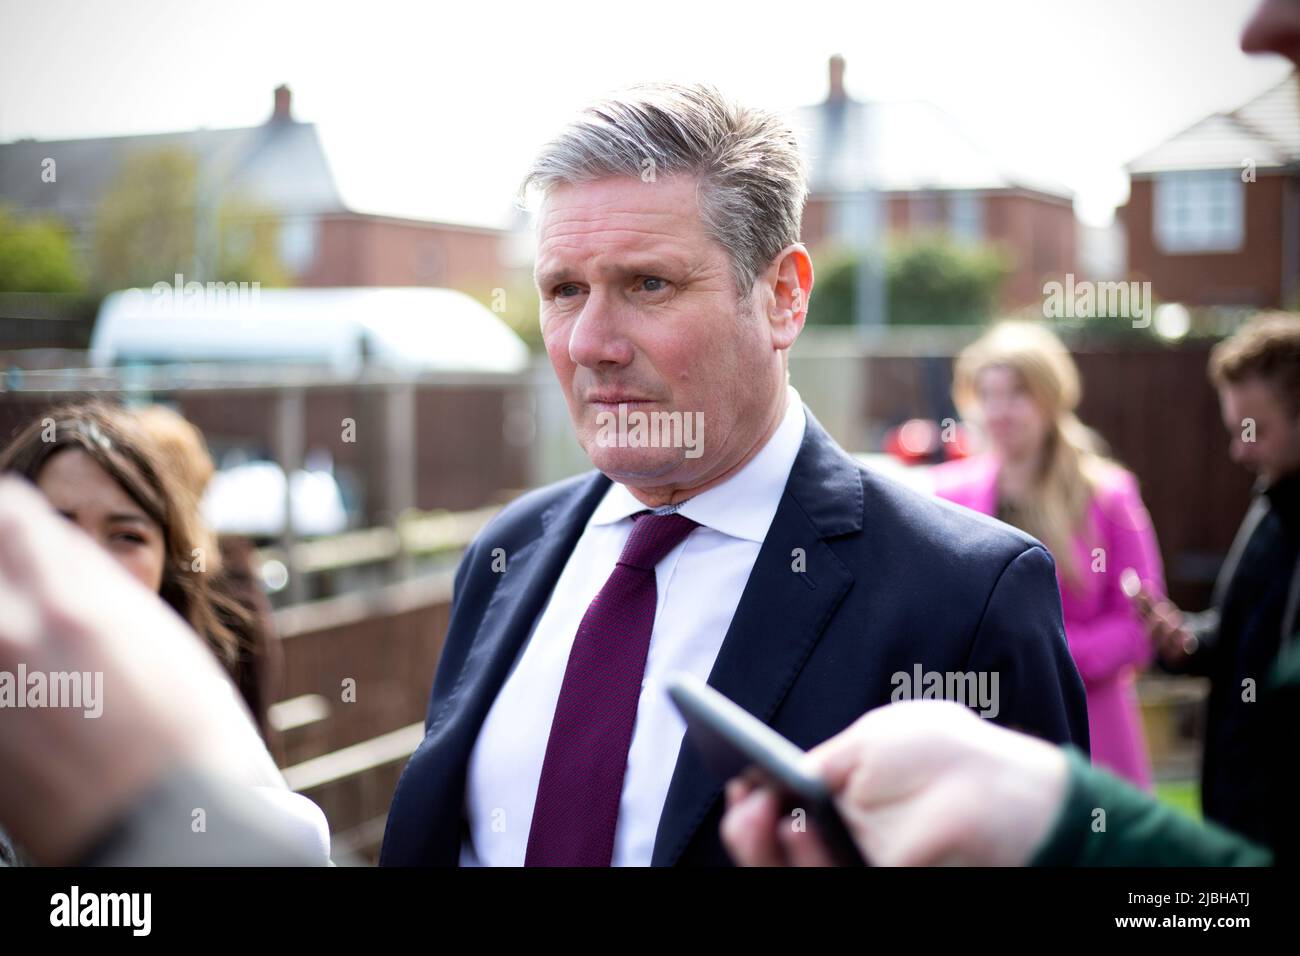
(1105, 636)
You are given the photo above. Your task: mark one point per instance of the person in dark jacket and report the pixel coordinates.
(1236, 642)
(1144, 832)
(765, 559)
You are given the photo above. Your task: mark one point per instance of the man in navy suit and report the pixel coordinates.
(723, 532)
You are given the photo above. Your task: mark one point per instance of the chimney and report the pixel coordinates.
(282, 112)
(836, 92)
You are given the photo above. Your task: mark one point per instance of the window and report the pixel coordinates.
(1199, 211)
(297, 244)
(966, 216)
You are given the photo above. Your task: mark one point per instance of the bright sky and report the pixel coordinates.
(433, 109)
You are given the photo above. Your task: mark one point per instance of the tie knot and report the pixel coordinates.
(652, 537)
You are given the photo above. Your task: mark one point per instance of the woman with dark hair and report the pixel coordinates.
(231, 565)
(100, 469)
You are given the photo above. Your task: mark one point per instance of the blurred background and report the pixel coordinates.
(297, 225)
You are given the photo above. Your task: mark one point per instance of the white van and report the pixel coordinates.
(408, 329)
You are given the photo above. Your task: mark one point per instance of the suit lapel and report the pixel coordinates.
(1254, 515)
(529, 578)
(781, 616)
(441, 761)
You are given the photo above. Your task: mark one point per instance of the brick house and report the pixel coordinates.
(927, 174)
(282, 168)
(1213, 217)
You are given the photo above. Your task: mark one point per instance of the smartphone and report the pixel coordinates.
(734, 743)
(1131, 585)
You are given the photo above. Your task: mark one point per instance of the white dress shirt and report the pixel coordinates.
(699, 585)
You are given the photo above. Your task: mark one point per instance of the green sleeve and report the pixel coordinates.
(1138, 829)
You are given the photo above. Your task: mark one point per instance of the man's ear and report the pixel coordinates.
(790, 282)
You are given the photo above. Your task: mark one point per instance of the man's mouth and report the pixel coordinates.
(610, 401)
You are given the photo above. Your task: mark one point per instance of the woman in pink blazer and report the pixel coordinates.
(1043, 472)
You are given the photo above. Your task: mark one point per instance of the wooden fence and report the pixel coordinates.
(358, 670)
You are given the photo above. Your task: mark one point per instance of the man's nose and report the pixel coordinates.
(598, 337)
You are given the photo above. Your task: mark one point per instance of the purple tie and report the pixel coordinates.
(586, 756)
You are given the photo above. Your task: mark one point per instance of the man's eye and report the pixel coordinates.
(567, 290)
(653, 283)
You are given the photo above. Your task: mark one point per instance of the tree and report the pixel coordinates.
(932, 280)
(36, 256)
(157, 213)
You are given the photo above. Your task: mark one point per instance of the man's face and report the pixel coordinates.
(639, 308)
(1263, 435)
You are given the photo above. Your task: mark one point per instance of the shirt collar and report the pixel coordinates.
(744, 505)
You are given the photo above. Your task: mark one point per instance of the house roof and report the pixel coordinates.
(279, 165)
(1266, 129)
(899, 146)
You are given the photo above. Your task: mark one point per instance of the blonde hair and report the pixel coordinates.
(182, 443)
(1073, 463)
(185, 454)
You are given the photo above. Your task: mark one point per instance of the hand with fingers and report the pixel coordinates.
(918, 783)
(66, 606)
(1163, 622)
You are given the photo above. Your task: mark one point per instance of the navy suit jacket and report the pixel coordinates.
(893, 579)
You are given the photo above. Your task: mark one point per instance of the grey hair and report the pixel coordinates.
(753, 180)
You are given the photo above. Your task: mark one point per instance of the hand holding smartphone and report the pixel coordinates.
(1131, 585)
(733, 742)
